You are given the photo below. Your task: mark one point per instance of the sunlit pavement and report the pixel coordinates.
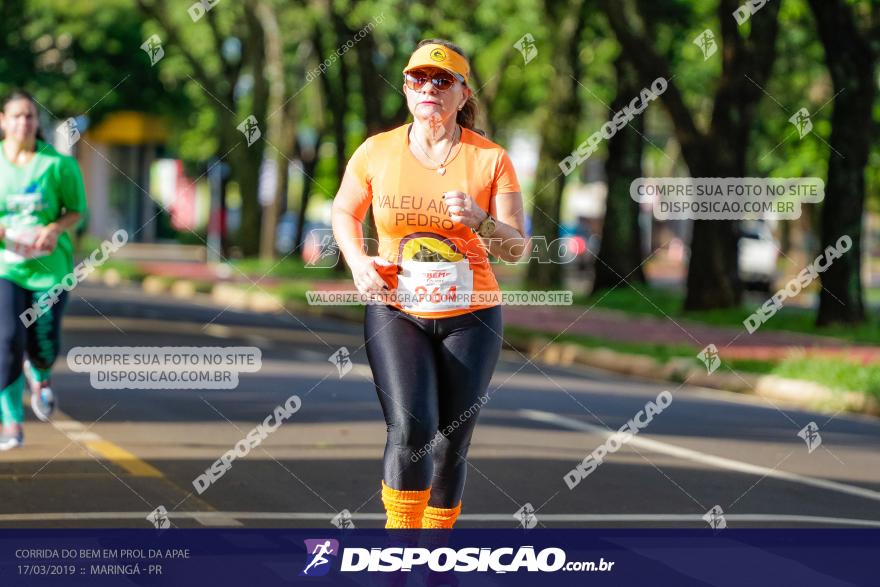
(111, 457)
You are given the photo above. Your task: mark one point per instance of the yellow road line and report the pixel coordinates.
(123, 458)
(77, 432)
(97, 447)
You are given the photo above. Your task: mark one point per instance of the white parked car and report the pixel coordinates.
(758, 253)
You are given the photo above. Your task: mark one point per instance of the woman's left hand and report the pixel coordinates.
(462, 208)
(47, 238)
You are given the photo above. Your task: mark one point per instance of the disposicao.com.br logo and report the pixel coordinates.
(463, 560)
(318, 551)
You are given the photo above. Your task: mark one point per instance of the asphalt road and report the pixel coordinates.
(111, 457)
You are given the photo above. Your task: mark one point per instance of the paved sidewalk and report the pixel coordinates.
(733, 343)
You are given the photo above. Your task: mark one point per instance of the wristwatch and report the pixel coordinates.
(486, 228)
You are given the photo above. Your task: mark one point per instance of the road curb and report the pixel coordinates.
(795, 392)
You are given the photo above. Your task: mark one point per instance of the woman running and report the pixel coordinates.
(41, 197)
(443, 198)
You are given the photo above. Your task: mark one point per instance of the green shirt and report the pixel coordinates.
(37, 194)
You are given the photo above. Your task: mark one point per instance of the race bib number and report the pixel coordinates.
(435, 286)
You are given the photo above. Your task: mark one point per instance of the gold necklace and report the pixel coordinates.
(441, 169)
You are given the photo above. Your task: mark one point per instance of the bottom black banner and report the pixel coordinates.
(251, 557)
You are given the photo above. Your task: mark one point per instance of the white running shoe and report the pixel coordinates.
(43, 402)
(10, 441)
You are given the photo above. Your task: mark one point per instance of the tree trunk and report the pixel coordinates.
(561, 118)
(713, 280)
(246, 160)
(851, 62)
(337, 98)
(620, 254)
(372, 90)
(276, 126)
(309, 159)
(372, 85)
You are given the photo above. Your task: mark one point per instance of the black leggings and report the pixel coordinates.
(431, 375)
(40, 338)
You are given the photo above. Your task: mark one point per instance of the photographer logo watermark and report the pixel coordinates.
(159, 518)
(328, 62)
(153, 48)
(342, 359)
(794, 287)
(198, 9)
(747, 10)
(706, 42)
(67, 133)
(82, 270)
(318, 561)
(810, 434)
(526, 46)
(534, 249)
(620, 119)
(164, 367)
(347, 297)
(250, 129)
(470, 412)
(526, 516)
(343, 521)
(638, 422)
(715, 518)
(709, 357)
(243, 447)
(727, 198)
(802, 122)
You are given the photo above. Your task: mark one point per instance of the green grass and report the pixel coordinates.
(203, 286)
(636, 300)
(126, 269)
(293, 291)
(836, 374)
(289, 268)
(661, 303)
(751, 365)
(659, 352)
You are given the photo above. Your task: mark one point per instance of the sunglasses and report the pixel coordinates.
(415, 80)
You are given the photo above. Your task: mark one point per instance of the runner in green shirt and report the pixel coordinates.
(41, 197)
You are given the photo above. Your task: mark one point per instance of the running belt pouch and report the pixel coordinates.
(388, 273)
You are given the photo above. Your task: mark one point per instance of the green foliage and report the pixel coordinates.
(76, 59)
(79, 57)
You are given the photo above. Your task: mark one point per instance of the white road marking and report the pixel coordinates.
(220, 518)
(83, 436)
(170, 327)
(701, 457)
(214, 519)
(64, 425)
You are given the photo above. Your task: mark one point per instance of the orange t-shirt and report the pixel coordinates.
(441, 260)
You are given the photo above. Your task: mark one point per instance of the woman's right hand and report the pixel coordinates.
(366, 279)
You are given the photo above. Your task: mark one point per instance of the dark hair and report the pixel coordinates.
(19, 94)
(467, 116)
